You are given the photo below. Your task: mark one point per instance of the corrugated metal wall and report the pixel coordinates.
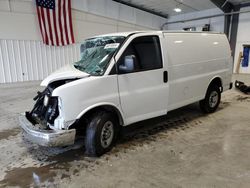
(22, 60)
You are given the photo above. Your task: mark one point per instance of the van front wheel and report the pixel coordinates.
(212, 99)
(101, 133)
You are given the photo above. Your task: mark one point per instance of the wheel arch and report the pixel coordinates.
(109, 107)
(216, 80)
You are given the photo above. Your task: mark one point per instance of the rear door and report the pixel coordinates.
(143, 92)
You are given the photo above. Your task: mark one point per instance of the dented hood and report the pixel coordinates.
(66, 72)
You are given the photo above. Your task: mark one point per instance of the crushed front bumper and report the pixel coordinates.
(47, 137)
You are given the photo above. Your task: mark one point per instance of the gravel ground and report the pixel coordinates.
(184, 149)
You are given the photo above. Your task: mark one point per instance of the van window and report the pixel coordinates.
(146, 52)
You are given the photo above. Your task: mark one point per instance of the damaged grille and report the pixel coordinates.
(45, 110)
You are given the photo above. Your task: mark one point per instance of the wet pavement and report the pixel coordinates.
(184, 149)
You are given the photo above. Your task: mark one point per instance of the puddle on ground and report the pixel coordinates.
(5, 134)
(61, 166)
(243, 98)
(24, 177)
(70, 161)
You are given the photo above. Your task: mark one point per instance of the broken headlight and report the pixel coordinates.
(46, 100)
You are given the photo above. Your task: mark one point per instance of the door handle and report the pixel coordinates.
(165, 76)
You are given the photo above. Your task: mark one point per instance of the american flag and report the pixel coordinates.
(55, 22)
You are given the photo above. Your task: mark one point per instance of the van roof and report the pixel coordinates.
(125, 34)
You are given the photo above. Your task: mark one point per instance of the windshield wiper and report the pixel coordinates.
(77, 66)
(97, 71)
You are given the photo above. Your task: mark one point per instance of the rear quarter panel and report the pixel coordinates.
(194, 59)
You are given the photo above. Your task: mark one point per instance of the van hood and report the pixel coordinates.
(66, 72)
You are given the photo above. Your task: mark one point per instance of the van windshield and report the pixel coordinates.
(96, 54)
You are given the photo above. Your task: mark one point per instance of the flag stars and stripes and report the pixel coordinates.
(55, 21)
(46, 3)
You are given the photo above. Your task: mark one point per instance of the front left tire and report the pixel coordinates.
(101, 133)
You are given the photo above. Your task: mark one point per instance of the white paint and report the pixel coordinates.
(85, 94)
(243, 37)
(216, 23)
(193, 63)
(142, 95)
(66, 72)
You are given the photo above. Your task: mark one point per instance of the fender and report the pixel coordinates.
(118, 110)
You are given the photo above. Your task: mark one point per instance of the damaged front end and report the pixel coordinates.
(39, 123)
(45, 110)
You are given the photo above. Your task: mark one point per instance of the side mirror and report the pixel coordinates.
(129, 64)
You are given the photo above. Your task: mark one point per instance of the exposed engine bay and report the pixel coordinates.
(46, 110)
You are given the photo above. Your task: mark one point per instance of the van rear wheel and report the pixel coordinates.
(101, 133)
(212, 99)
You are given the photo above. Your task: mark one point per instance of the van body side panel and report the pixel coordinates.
(194, 59)
(229, 61)
(81, 94)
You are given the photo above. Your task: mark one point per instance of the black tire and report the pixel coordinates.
(95, 131)
(209, 104)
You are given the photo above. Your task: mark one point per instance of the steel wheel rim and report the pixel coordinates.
(107, 134)
(213, 99)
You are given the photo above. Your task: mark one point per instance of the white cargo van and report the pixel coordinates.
(124, 78)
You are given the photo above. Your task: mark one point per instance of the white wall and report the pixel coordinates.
(216, 23)
(90, 17)
(24, 60)
(243, 37)
(23, 57)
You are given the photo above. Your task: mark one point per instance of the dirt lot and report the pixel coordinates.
(184, 149)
